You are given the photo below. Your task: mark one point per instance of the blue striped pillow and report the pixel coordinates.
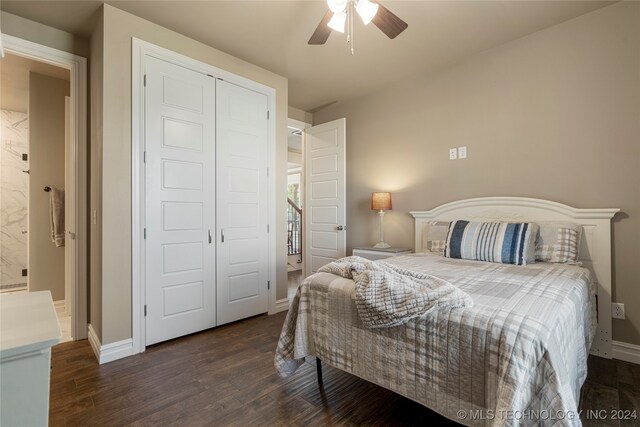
(502, 242)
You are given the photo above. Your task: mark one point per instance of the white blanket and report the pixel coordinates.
(387, 295)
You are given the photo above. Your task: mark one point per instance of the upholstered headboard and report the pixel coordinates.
(595, 247)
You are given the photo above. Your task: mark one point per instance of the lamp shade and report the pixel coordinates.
(367, 10)
(338, 21)
(380, 201)
(337, 5)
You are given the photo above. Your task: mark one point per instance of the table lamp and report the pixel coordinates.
(381, 202)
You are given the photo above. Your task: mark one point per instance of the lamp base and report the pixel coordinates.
(381, 245)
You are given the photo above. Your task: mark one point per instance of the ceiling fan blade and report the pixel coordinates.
(389, 23)
(321, 34)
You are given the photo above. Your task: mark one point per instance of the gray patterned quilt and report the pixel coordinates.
(517, 357)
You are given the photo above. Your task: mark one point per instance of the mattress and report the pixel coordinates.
(517, 357)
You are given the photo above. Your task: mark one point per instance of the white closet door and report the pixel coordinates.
(325, 206)
(180, 200)
(241, 149)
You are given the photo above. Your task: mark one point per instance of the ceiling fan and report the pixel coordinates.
(340, 15)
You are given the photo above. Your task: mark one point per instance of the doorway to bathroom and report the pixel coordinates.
(35, 130)
(42, 139)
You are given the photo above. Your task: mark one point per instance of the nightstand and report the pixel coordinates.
(373, 254)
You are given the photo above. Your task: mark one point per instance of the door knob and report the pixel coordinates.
(340, 227)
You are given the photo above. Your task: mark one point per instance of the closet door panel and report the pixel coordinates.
(241, 147)
(180, 200)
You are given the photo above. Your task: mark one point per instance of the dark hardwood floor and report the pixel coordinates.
(225, 376)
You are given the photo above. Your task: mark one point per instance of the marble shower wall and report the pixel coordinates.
(14, 196)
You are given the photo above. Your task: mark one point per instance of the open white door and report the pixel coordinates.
(180, 201)
(325, 205)
(69, 216)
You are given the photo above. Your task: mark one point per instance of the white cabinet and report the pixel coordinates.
(373, 254)
(28, 329)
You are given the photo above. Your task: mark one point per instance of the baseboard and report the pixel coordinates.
(626, 352)
(281, 305)
(60, 306)
(109, 352)
(94, 341)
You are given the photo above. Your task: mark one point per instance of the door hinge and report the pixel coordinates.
(267, 228)
(145, 232)
(268, 284)
(267, 171)
(267, 114)
(144, 157)
(144, 82)
(145, 310)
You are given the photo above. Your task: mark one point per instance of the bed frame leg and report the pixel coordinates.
(319, 371)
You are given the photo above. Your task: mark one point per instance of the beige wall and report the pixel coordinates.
(115, 222)
(46, 163)
(95, 177)
(42, 34)
(554, 115)
(300, 115)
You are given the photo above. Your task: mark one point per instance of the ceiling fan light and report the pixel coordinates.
(337, 21)
(337, 5)
(367, 10)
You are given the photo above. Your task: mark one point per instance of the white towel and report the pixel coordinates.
(56, 217)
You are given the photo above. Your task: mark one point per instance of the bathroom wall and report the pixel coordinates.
(47, 163)
(14, 187)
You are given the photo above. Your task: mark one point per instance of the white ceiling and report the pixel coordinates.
(14, 80)
(274, 34)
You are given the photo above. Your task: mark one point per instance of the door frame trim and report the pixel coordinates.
(300, 125)
(77, 67)
(139, 49)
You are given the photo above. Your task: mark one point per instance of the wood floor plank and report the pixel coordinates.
(225, 376)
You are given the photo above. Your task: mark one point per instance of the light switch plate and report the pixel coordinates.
(453, 154)
(462, 152)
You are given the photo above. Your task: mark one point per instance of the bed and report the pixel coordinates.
(517, 357)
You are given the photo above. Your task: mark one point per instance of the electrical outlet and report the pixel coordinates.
(617, 310)
(462, 152)
(453, 154)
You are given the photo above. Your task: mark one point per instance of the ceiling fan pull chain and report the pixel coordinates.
(348, 12)
(351, 29)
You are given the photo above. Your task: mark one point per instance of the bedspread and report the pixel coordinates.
(517, 357)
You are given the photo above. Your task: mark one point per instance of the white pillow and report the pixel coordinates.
(434, 237)
(558, 241)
